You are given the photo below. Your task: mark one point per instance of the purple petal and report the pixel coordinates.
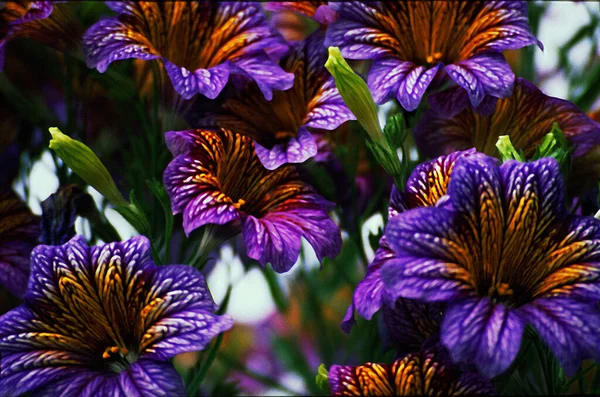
(272, 239)
(151, 378)
(368, 295)
(267, 75)
(569, 328)
(201, 203)
(486, 74)
(410, 323)
(479, 331)
(348, 322)
(108, 41)
(180, 319)
(275, 238)
(449, 103)
(325, 15)
(208, 82)
(406, 81)
(296, 150)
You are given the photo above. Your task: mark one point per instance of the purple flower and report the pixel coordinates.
(427, 373)
(427, 186)
(104, 321)
(52, 24)
(19, 232)
(316, 9)
(281, 128)
(502, 253)
(216, 178)
(201, 44)
(410, 41)
(526, 117)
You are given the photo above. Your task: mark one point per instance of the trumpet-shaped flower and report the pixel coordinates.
(501, 253)
(104, 321)
(52, 24)
(201, 44)
(281, 128)
(19, 232)
(411, 41)
(427, 186)
(217, 178)
(427, 373)
(526, 117)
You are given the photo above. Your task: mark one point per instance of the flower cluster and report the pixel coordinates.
(233, 137)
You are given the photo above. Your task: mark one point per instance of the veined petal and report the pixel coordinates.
(467, 36)
(91, 314)
(281, 126)
(568, 327)
(275, 207)
(19, 232)
(424, 373)
(526, 117)
(295, 150)
(487, 333)
(485, 74)
(49, 22)
(200, 43)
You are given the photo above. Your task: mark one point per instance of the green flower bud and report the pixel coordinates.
(82, 160)
(322, 379)
(355, 93)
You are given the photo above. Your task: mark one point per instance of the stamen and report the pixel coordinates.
(436, 56)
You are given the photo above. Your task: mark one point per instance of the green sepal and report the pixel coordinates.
(507, 150)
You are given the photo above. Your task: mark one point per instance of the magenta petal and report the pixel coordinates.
(208, 82)
(569, 328)
(479, 331)
(485, 74)
(296, 150)
(276, 237)
(200, 204)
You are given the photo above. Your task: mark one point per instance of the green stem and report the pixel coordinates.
(265, 380)
(275, 289)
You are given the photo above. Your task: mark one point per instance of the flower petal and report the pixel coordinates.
(526, 117)
(568, 327)
(477, 330)
(178, 315)
(485, 74)
(200, 43)
(295, 150)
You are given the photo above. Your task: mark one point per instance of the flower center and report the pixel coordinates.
(118, 358)
(433, 58)
(285, 134)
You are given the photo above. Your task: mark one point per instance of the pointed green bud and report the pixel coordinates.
(82, 160)
(555, 145)
(507, 150)
(355, 93)
(322, 379)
